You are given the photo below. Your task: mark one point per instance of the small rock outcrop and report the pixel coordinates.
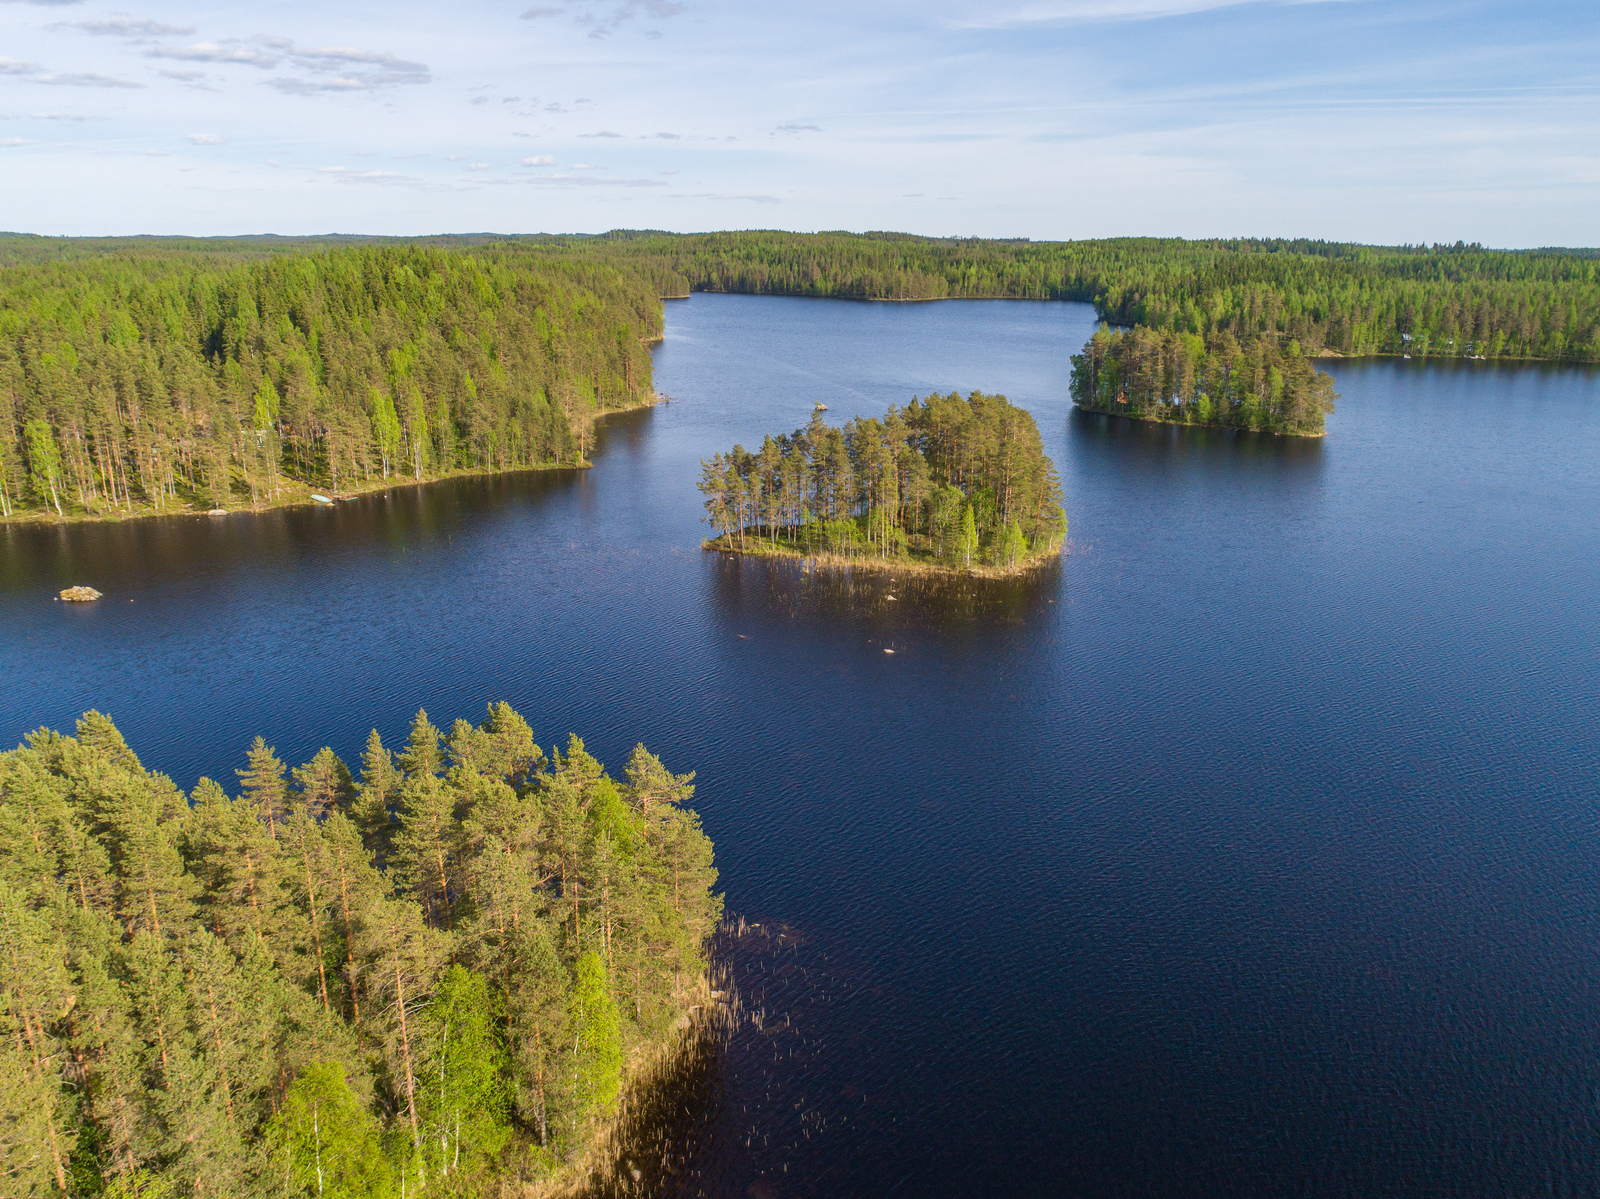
(80, 594)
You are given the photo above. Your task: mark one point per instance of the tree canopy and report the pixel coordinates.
(329, 984)
(952, 480)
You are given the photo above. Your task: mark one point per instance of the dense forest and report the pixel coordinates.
(1180, 377)
(1425, 300)
(384, 985)
(175, 380)
(960, 482)
(161, 374)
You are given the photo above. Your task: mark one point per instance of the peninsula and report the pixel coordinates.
(947, 484)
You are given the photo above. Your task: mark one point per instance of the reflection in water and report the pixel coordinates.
(875, 600)
(1157, 441)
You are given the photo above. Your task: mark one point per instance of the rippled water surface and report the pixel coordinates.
(1254, 849)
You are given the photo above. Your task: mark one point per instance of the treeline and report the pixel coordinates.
(1452, 301)
(162, 381)
(1162, 375)
(327, 985)
(959, 481)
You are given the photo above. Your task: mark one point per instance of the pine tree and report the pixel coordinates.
(421, 755)
(264, 788)
(380, 784)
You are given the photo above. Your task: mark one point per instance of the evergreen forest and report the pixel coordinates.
(185, 374)
(176, 381)
(399, 983)
(1178, 377)
(957, 482)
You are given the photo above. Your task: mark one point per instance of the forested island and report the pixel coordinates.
(1183, 379)
(946, 483)
(438, 973)
(159, 375)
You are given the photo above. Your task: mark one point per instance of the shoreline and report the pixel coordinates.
(828, 560)
(1189, 424)
(302, 492)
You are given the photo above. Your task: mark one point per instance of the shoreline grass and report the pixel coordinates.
(830, 560)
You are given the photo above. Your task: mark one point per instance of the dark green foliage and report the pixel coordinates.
(1441, 300)
(194, 1006)
(1181, 377)
(946, 478)
(174, 381)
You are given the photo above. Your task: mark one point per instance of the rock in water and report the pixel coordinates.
(80, 594)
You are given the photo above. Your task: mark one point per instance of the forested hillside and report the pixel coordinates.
(949, 480)
(326, 985)
(171, 380)
(1179, 377)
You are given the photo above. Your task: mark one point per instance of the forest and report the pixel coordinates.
(177, 381)
(186, 374)
(956, 482)
(1429, 301)
(391, 984)
(1183, 378)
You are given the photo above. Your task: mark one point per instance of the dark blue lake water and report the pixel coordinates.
(1254, 849)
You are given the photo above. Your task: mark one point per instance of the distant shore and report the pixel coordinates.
(297, 494)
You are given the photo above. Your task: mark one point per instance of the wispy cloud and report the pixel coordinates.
(584, 181)
(603, 25)
(62, 116)
(34, 73)
(15, 141)
(477, 166)
(602, 133)
(349, 69)
(540, 160)
(126, 27)
(233, 54)
(206, 139)
(799, 128)
(542, 10)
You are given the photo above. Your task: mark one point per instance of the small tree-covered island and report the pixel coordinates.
(945, 484)
(435, 978)
(1183, 378)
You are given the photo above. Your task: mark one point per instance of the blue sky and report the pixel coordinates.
(1343, 119)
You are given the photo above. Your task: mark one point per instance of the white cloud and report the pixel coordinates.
(602, 133)
(128, 27)
(587, 166)
(206, 139)
(233, 54)
(15, 141)
(34, 73)
(540, 160)
(61, 116)
(477, 166)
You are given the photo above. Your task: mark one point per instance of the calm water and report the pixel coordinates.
(1255, 849)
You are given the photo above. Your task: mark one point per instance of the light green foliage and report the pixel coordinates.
(462, 1073)
(324, 1141)
(597, 1040)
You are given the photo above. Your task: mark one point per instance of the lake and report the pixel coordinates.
(1254, 848)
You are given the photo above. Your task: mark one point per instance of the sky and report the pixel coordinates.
(1394, 121)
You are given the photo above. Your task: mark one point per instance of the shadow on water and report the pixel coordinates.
(1156, 442)
(873, 600)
